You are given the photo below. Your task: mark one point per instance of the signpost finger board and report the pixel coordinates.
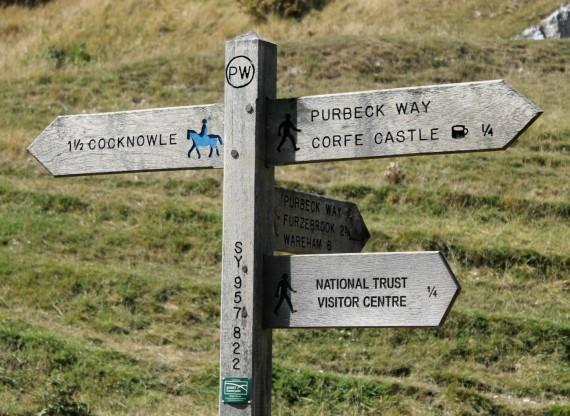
(131, 141)
(358, 290)
(313, 224)
(449, 118)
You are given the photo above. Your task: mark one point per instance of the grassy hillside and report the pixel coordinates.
(109, 285)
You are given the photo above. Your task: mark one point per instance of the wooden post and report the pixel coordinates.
(245, 347)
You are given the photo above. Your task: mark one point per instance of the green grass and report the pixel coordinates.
(109, 285)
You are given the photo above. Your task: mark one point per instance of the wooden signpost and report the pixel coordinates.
(245, 346)
(312, 224)
(248, 134)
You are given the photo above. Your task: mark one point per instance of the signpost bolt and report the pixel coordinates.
(244, 269)
(235, 154)
(249, 108)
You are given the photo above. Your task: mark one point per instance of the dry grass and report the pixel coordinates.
(119, 32)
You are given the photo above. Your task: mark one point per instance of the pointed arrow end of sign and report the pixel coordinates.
(530, 111)
(457, 286)
(33, 148)
(40, 147)
(360, 230)
(364, 235)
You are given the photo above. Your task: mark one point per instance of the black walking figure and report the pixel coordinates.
(282, 288)
(287, 126)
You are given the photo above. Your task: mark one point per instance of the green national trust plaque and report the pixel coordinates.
(236, 390)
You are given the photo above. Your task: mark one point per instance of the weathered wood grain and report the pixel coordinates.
(312, 224)
(129, 141)
(418, 289)
(245, 346)
(449, 118)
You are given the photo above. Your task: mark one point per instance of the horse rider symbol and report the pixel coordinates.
(203, 139)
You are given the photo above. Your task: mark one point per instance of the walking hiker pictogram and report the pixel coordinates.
(287, 126)
(282, 288)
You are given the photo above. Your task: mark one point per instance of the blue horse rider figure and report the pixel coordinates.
(203, 139)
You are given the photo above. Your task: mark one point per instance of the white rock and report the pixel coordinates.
(555, 26)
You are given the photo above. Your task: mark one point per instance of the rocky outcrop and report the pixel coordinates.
(555, 26)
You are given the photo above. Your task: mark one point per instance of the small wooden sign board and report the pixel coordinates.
(452, 118)
(312, 224)
(133, 141)
(358, 290)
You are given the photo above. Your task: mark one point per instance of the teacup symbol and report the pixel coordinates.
(459, 131)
